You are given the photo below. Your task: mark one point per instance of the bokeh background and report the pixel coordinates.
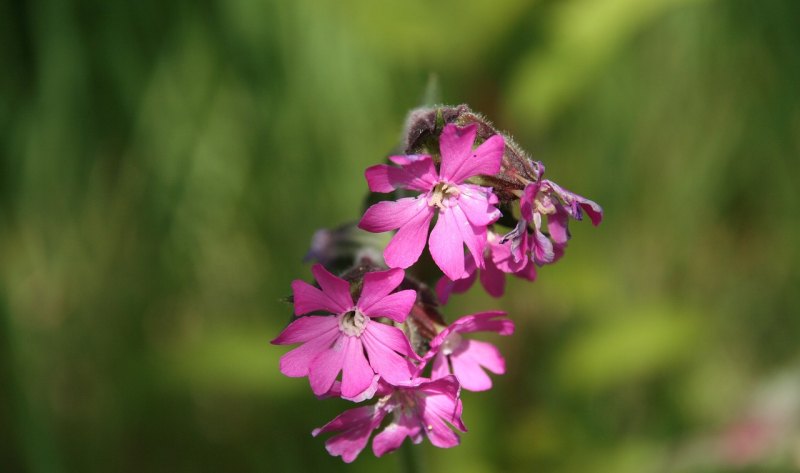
(165, 164)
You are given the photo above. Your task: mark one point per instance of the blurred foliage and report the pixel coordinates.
(163, 166)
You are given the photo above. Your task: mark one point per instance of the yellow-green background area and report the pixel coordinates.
(163, 166)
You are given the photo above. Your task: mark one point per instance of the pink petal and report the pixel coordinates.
(392, 337)
(336, 288)
(492, 279)
(417, 175)
(394, 306)
(503, 259)
(325, 367)
(384, 361)
(487, 355)
(441, 367)
(595, 211)
(490, 321)
(455, 145)
(308, 298)
(377, 285)
(526, 201)
(375, 300)
(306, 328)
(478, 204)
(528, 272)
(542, 248)
(393, 435)
(557, 225)
(409, 241)
(356, 426)
(438, 432)
(469, 372)
(356, 373)
(474, 236)
(447, 406)
(486, 159)
(391, 214)
(295, 363)
(447, 246)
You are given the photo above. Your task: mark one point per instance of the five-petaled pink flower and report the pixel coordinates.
(421, 407)
(467, 358)
(464, 210)
(333, 344)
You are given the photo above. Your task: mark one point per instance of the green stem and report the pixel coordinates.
(409, 458)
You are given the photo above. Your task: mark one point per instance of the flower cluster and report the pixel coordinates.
(375, 333)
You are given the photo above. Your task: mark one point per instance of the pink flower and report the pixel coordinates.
(545, 198)
(333, 344)
(498, 261)
(464, 210)
(420, 407)
(468, 358)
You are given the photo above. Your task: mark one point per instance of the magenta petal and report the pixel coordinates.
(503, 259)
(377, 285)
(476, 202)
(392, 337)
(526, 201)
(492, 279)
(391, 214)
(528, 272)
(490, 321)
(438, 432)
(392, 367)
(440, 367)
(542, 250)
(595, 211)
(308, 298)
(356, 372)
(415, 175)
(325, 367)
(394, 306)
(409, 241)
(355, 426)
(307, 328)
(557, 225)
(469, 373)
(485, 159)
(474, 236)
(393, 435)
(295, 363)
(455, 145)
(376, 301)
(447, 246)
(336, 288)
(446, 406)
(384, 178)
(487, 355)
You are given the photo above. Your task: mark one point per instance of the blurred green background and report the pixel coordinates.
(163, 166)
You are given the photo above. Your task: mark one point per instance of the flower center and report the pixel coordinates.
(353, 323)
(443, 195)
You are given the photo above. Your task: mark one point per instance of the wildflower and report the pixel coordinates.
(464, 210)
(421, 407)
(545, 198)
(333, 344)
(466, 358)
